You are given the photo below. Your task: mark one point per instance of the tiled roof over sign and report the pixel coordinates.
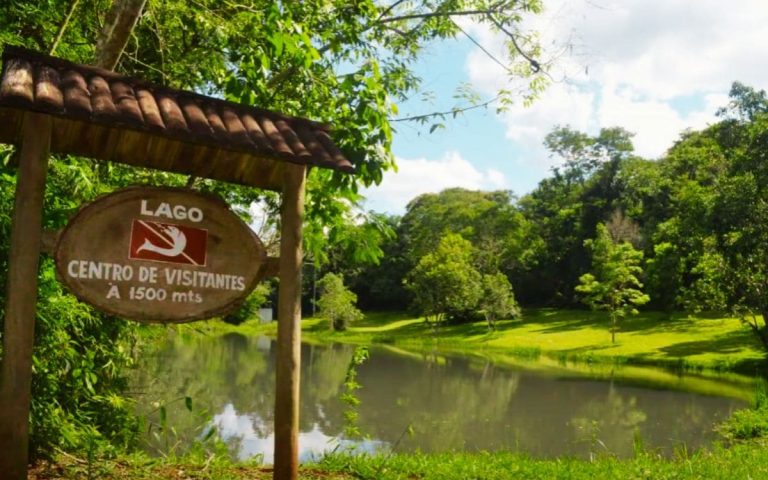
(108, 116)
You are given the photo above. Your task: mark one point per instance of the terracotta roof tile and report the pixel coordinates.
(84, 94)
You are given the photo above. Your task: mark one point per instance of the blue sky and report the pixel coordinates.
(654, 67)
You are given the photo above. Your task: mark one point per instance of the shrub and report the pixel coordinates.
(250, 307)
(748, 423)
(498, 300)
(337, 303)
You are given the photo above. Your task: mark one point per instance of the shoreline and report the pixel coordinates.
(678, 342)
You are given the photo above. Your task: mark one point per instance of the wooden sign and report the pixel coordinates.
(157, 254)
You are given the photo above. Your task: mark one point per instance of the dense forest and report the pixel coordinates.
(698, 215)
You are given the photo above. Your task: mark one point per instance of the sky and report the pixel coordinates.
(653, 67)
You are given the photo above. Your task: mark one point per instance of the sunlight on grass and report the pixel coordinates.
(686, 341)
(568, 342)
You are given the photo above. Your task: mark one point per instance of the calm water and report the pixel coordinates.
(425, 402)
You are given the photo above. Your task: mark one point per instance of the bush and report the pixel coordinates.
(498, 300)
(250, 307)
(745, 424)
(80, 356)
(337, 303)
(748, 423)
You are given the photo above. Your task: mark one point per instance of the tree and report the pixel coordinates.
(498, 299)
(479, 217)
(613, 284)
(378, 285)
(564, 210)
(345, 63)
(444, 283)
(337, 303)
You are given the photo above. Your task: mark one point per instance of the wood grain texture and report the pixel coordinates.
(21, 298)
(47, 89)
(101, 98)
(77, 98)
(18, 81)
(289, 325)
(125, 101)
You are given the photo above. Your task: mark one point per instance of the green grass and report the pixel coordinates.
(739, 462)
(713, 350)
(681, 341)
(746, 460)
(678, 340)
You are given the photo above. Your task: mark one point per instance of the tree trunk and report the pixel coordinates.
(118, 25)
(762, 330)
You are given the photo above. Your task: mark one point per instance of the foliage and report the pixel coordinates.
(613, 284)
(337, 303)
(746, 460)
(344, 63)
(498, 299)
(250, 307)
(444, 284)
(745, 424)
(81, 356)
(564, 210)
(377, 280)
(488, 220)
(351, 425)
(748, 423)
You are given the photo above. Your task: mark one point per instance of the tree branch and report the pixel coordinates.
(387, 10)
(277, 79)
(535, 66)
(63, 27)
(485, 50)
(456, 13)
(454, 111)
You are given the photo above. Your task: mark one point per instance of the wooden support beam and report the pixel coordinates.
(21, 297)
(271, 267)
(289, 325)
(48, 241)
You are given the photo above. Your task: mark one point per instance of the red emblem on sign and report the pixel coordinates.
(168, 242)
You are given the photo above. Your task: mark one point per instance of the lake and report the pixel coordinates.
(427, 402)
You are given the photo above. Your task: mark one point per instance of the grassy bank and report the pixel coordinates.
(677, 340)
(743, 461)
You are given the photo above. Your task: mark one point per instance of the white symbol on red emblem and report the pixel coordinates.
(177, 237)
(166, 242)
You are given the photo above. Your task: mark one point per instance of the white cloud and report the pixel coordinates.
(656, 124)
(666, 48)
(238, 428)
(652, 67)
(562, 104)
(417, 176)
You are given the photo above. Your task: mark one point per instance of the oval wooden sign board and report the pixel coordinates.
(157, 254)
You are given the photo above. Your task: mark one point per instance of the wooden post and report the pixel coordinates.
(289, 325)
(21, 297)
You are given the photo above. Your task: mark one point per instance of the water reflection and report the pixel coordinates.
(413, 402)
(243, 435)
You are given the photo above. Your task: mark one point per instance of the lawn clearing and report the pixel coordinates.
(677, 340)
